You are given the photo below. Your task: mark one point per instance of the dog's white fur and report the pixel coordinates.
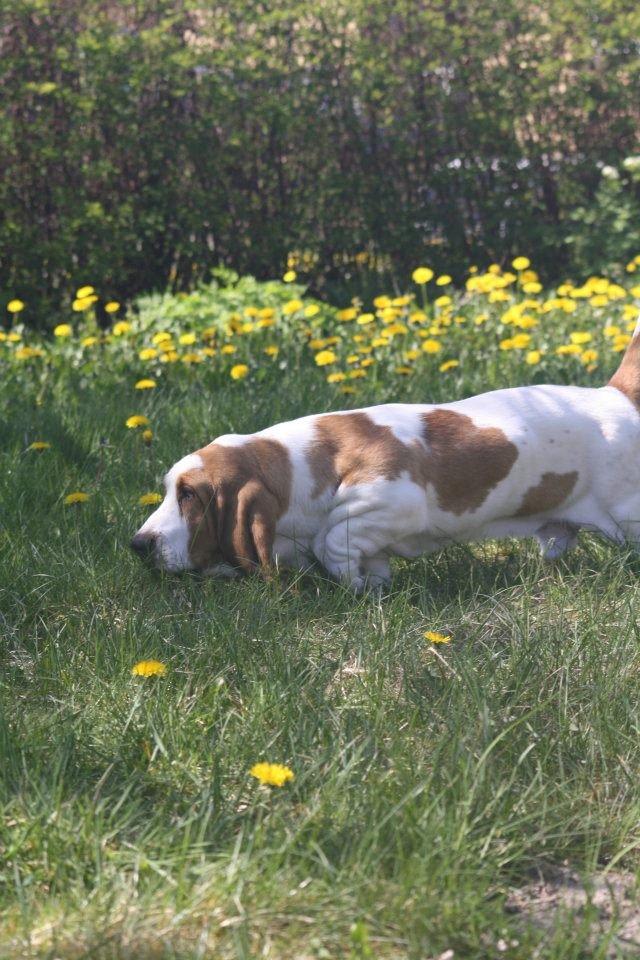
(352, 529)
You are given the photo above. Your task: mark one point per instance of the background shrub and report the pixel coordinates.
(144, 142)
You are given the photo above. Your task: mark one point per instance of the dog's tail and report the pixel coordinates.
(627, 376)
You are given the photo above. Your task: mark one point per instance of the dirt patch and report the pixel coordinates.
(559, 892)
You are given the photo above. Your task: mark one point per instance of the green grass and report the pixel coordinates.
(427, 788)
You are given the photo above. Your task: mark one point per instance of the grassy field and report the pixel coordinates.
(477, 798)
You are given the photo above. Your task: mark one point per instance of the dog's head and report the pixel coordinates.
(220, 509)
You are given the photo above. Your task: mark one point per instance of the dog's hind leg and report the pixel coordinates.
(556, 537)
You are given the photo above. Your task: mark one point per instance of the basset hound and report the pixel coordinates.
(349, 490)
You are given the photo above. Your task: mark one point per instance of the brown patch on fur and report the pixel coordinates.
(552, 490)
(350, 448)
(241, 493)
(466, 462)
(198, 512)
(626, 379)
(462, 461)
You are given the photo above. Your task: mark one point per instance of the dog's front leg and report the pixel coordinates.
(342, 544)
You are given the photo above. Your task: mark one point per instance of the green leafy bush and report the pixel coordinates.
(144, 143)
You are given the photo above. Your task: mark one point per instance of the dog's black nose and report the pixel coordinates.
(143, 545)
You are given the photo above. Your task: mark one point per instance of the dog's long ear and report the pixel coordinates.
(247, 525)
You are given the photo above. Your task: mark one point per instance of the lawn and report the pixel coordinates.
(474, 798)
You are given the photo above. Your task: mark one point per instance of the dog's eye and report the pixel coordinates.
(186, 494)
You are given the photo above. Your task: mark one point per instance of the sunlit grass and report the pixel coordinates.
(429, 778)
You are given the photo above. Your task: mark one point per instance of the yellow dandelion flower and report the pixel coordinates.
(239, 371)
(112, 306)
(325, 357)
(186, 339)
(520, 263)
(27, 353)
(272, 774)
(532, 286)
(292, 307)
(444, 280)
(404, 371)
(149, 668)
(39, 445)
(145, 384)
(616, 292)
(290, 276)
(147, 436)
(149, 499)
(271, 350)
(76, 497)
(498, 296)
(121, 327)
(448, 365)
(364, 319)
(83, 292)
(612, 331)
(89, 341)
(394, 328)
(443, 301)
(347, 389)
(349, 313)
(312, 310)
(569, 349)
(82, 303)
(580, 336)
(382, 302)
(431, 346)
(434, 637)
(63, 330)
(589, 356)
(136, 420)
(15, 306)
(336, 377)
(533, 357)
(228, 348)
(422, 275)
(148, 353)
(162, 337)
(621, 343)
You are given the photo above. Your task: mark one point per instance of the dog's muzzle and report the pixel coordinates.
(143, 544)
